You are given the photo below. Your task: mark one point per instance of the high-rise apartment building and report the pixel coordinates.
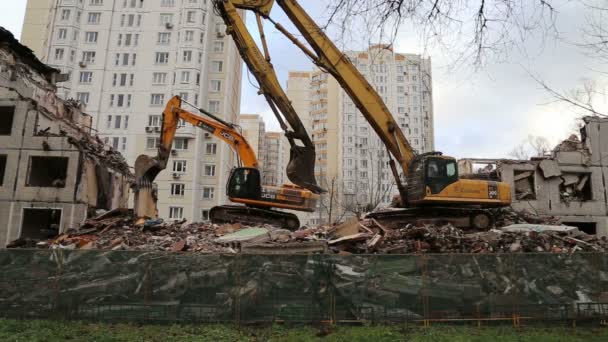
(275, 159)
(125, 59)
(351, 160)
(254, 130)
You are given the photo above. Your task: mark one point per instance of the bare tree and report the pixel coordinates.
(472, 28)
(533, 146)
(582, 99)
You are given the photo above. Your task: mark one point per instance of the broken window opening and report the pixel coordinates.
(525, 186)
(575, 187)
(47, 172)
(585, 227)
(40, 223)
(6, 119)
(2, 168)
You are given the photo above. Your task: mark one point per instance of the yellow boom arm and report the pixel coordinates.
(326, 55)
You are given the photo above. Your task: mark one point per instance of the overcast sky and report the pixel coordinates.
(483, 113)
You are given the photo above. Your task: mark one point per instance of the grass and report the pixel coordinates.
(46, 330)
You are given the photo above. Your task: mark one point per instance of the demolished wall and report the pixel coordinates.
(568, 184)
(50, 162)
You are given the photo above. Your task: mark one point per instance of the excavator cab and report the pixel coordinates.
(440, 172)
(245, 182)
(431, 171)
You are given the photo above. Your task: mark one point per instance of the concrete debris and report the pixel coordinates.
(550, 168)
(119, 230)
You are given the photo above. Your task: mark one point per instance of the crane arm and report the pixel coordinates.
(300, 169)
(222, 130)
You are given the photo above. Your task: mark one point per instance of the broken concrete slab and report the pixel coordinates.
(526, 227)
(550, 168)
(247, 234)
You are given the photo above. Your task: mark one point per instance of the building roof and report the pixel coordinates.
(26, 55)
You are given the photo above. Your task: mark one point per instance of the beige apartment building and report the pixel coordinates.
(275, 159)
(35, 25)
(351, 160)
(254, 130)
(125, 59)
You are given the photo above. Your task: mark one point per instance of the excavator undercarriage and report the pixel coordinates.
(250, 215)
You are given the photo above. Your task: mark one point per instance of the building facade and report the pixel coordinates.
(125, 59)
(275, 159)
(53, 173)
(351, 160)
(568, 183)
(254, 130)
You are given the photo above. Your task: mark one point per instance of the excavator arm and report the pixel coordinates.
(327, 56)
(227, 132)
(300, 169)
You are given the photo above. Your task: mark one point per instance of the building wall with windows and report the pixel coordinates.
(351, 160)
(275, 159)
(125, 59)
(254, 130)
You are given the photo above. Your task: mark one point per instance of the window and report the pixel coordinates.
(185, 77)
(154, 120)
(218, 46)
(167, 3)
(180, 144)
(178, 189)
(47, 172)
(211, 148)
(96, 2)
(208, 193)
(205, 214)
(176, 213)
(72, 55)
(90, 37)
(184, 96)
(209, 170)
(94, 18)
(65, 14)
(152, 143)
(217, 66)
(62, 34)
(190, 17)
(159, 78)
(86, 77)
(162, 57)
(214, 106)
(117, 122)
(157, 99)
(216, 86)
(58, 54)
(164, 38)
(166, 18)
(109, 122)
(123, 146)
(88, 57)
(187, 56)
(179, 166)
(83, 97)
(6, 120)
(189, 36)
(2, 168)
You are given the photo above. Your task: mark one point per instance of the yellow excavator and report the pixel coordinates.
(433, 187)
(244, 183)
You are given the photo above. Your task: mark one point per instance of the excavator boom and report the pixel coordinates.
(432, 179)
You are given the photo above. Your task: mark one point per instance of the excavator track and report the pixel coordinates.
(461, 217)
(249, 215)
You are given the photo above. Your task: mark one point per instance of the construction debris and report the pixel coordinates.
(520, 232)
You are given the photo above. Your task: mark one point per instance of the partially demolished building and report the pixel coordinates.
(52, 171)
(569, 184)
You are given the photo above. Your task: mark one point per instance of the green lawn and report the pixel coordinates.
(43, 330)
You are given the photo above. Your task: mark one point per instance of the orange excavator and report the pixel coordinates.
(244, 184)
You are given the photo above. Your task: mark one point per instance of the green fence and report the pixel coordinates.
(188, 287)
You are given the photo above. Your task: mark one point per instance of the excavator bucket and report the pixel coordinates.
(301, 168)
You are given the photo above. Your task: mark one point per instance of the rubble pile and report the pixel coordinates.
(520, 232)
